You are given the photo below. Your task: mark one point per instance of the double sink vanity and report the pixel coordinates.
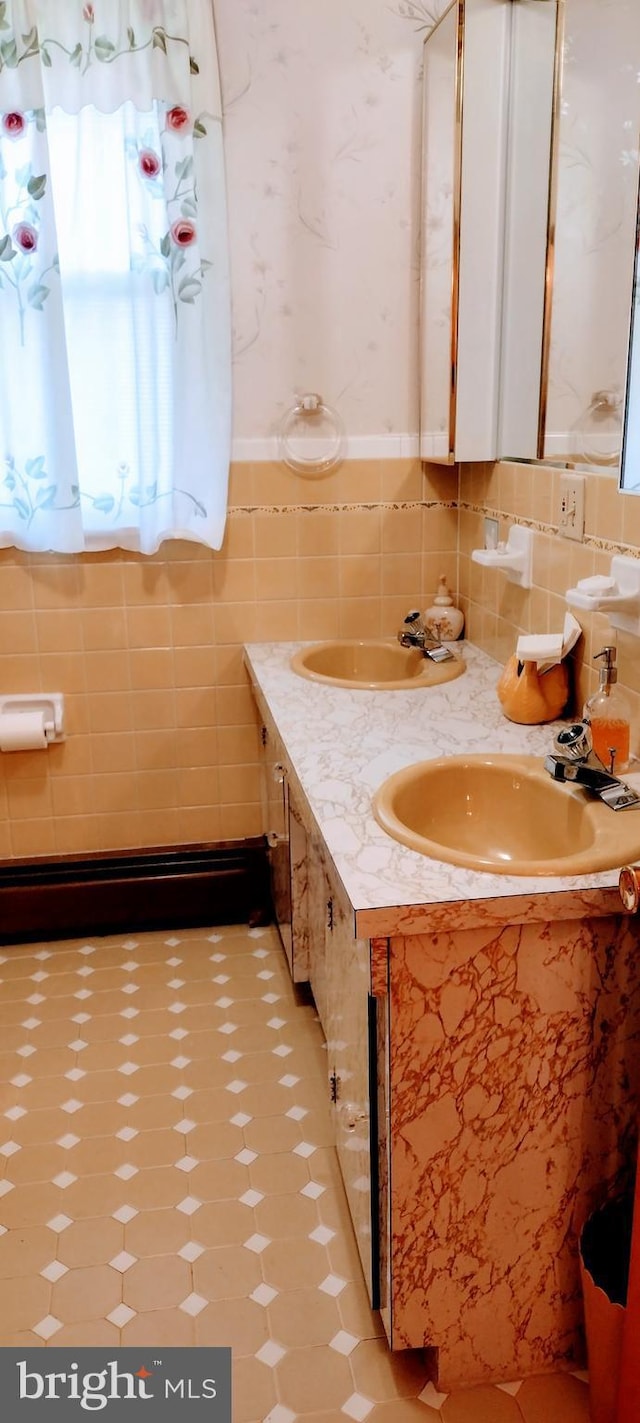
(477, 983)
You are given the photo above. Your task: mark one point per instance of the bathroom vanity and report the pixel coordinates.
(483, 1030)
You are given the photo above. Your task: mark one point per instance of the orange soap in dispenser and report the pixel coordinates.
(609, 714)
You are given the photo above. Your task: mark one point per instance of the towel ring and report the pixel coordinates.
(300, 419)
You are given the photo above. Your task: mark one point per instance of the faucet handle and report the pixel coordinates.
(413, 616)
(575, 742)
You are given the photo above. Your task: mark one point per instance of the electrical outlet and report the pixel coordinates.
(571, 505)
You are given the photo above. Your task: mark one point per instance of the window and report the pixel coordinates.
(114, 289)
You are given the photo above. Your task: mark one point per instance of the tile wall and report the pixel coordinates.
(497, 610)
(162, 741)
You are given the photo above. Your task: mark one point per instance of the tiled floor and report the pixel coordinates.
(167, 1177)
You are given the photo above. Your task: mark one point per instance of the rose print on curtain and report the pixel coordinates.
(115, 390)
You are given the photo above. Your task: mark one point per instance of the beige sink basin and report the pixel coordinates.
(505, 815)
(380, 666)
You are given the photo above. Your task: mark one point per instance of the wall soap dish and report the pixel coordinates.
(515, 557)
(618, 595)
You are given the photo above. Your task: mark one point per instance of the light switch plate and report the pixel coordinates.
(571, 505)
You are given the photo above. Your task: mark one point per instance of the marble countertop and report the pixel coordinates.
(343, 743)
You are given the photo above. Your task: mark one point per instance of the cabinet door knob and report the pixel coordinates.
(353, 1117)
(279, 773)
(629, 886)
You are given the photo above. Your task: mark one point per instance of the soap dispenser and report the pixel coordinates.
(609, 714)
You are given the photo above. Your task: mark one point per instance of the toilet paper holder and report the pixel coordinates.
(50, 704)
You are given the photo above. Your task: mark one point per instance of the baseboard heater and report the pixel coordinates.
(63, 897)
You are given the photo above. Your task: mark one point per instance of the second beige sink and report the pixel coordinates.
(380, 666)
(505, 815)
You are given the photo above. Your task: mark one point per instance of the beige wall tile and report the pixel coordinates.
(158, 750)
(56, 586)
(191, 625)
(234, 581)
(150, 627)
(240, 486)
(102, 628)
(360, 531)
(319, 618)
(101, 584)
(360, 576)
(25, 839)
(240, 821)
(402, 574)
(236, 746)
(238, 536)
(113, 751)
(145, 583)
(60, 632)
(18, 632)
(361, 481)
(105, 671)
(401, 480)
(275, 579)
(111, 711)
(318, 577)
(153, 710)
(360, 617)
(235, 706)
(631, 519)
(609, 509)
(16, 584)
(151, 667)
(276, 621)
(440, 481)
(195, 707)
(318, 533)
(194, 824)
(402, 530)
(29, 799)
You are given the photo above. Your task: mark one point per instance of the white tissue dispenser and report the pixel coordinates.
(31, 722)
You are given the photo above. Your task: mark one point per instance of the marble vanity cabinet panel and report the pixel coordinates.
(515, 1079)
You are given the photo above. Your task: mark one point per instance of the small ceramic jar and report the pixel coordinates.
(443, 620)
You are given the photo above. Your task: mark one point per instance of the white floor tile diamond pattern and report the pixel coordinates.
(117, 1245)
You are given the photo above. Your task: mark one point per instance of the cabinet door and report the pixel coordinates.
(300, 925)
(351, 1050)
(275, 800)
(318, 897)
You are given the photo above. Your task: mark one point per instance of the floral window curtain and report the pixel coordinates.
(115, 387)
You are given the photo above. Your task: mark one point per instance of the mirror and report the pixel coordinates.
(593, 242)
(440, 229)
(463, 166)
(564, 170)
(630, 471)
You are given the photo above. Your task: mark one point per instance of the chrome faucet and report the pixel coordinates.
(413, 633)
(573, 759)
